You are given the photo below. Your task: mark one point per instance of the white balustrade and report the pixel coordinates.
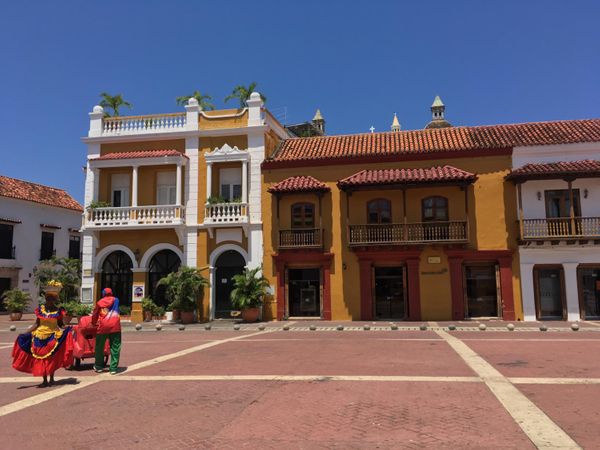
(157, 123)
(134, 216)
(226, 213)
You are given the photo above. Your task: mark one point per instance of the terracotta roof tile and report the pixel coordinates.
(38, 193)
(583, 168)
(140, 154)
(407, 176)
(438, 140)
(299, 184)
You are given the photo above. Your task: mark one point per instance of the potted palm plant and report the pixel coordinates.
(249, 292)
(71, 308)
(16, 301)
(148, 306)
(183, 289)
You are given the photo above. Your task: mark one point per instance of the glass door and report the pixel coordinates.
(549, 292)
(304, 290)
(389, 293)
(589, 292)
(481, 290)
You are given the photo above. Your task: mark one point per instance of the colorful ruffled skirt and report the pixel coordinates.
(43, 356)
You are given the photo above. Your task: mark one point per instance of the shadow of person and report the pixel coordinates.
(60, 382)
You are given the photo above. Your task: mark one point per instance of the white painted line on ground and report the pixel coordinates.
(593, 324)
(539, 428)
(380, 378)
(47, 395)
(533, 340)
(527, 380)
(125, 342)
(2, 347)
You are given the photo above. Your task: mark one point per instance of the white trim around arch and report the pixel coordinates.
(212, 260)
(102, 254)
(145, 261)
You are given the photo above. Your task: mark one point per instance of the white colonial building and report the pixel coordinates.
(558, 189)
(36, 223)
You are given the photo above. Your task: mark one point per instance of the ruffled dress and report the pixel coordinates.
(45, 349)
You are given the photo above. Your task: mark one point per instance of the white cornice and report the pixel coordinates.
(226, 153)
(128, 162)
(223, 116)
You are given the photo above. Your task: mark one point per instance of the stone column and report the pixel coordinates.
(527, 292)
(572, 290)
(178, 186)
(134, 186)
(244, 182)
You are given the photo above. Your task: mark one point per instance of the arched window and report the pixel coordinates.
(435, 209)
(303, 215)
(379, 211)
(117, 275)
(162, 264)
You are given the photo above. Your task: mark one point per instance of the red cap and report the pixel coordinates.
(106, 292)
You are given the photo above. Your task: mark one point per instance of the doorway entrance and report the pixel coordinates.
(549, 292)
(4, 286)
(390, 297)
(589, 292)
(161, 265)
(304, 289)
(228, 264)
(117, 275)
(481, 291)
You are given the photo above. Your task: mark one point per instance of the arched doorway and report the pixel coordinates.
(162, 264)
(228, 264)
(117, 275)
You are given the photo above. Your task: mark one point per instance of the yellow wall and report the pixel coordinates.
(213, 122)
(136, 240)
(492, 216)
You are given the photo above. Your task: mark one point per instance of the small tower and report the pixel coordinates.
(318, 122)
(395, 124)
(437, 114)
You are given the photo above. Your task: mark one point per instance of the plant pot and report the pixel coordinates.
(14, 316)
(187, 317)
(147, 316)
(250, 314)
(169, 316)
(176, 315)
(67, 319)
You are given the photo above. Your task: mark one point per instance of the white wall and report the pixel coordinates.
(551, 153)
(27, 235)
(536, 209)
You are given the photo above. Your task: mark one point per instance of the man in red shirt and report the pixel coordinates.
(107, 320)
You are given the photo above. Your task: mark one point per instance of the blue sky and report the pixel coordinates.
(359, 62)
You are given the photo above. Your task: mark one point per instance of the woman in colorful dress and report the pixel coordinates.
(47, 346)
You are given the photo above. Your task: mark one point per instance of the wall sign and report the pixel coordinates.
(138, 291)
(434, 259)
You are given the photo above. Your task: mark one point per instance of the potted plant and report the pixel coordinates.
(183, 289)
(124, 310)
(148, 306)
(249, 291)
(71, 308)
(16, 301)
(83, 310)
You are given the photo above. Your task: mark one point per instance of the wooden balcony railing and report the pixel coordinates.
(560, 228)
(301, 238)
(143, 124)
(134, 216)
(408, 233)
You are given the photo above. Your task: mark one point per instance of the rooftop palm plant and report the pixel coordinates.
(203, 100)
(114, 103)
(242, 93)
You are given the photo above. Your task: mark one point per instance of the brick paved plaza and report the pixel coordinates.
(299, 388)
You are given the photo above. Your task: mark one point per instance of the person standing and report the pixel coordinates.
(47, 346)
(107, 320)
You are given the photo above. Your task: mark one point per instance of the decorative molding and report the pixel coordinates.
(145, 261)
(130, 162)
(226, 153)
(223, 116)
(102, 254)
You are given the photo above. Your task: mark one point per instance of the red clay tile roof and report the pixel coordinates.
(433, 175)
(299, 184)
(38, 193)
(419, 142)
(140, 154)
(560, 169)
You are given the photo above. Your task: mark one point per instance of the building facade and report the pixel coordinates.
(36, 223)
(401, 225)
(558, 192)
(174, 189)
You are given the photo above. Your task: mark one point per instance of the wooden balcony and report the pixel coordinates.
(560, 228)
(156, 216)
(301, 238)
(409, 233)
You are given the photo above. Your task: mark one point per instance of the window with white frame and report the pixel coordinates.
(166, 188)
(231, 184)
(120, 189)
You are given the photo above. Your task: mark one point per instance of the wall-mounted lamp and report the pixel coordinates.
(585, 193)
(137, 254)
(539, 195)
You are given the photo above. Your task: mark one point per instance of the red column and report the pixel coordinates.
(506, 288)
(366, 294)
(326, 292)
(414, 290)
(456, 288)
(280, 289)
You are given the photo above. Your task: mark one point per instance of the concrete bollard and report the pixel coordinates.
(158, 327)
(482, 327)
(575, 326)
(510, 327)
(138, 326)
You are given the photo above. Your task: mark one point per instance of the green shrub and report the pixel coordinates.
(16, 300)
(125, 310)
(250, 289)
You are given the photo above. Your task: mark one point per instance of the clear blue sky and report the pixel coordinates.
(358, 61)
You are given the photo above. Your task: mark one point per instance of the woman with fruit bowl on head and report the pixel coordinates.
(48, 345)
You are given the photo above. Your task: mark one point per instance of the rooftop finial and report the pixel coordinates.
(319, 122)
(395, 124)
(437, 114)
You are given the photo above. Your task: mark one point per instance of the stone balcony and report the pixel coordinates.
(134, 217)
